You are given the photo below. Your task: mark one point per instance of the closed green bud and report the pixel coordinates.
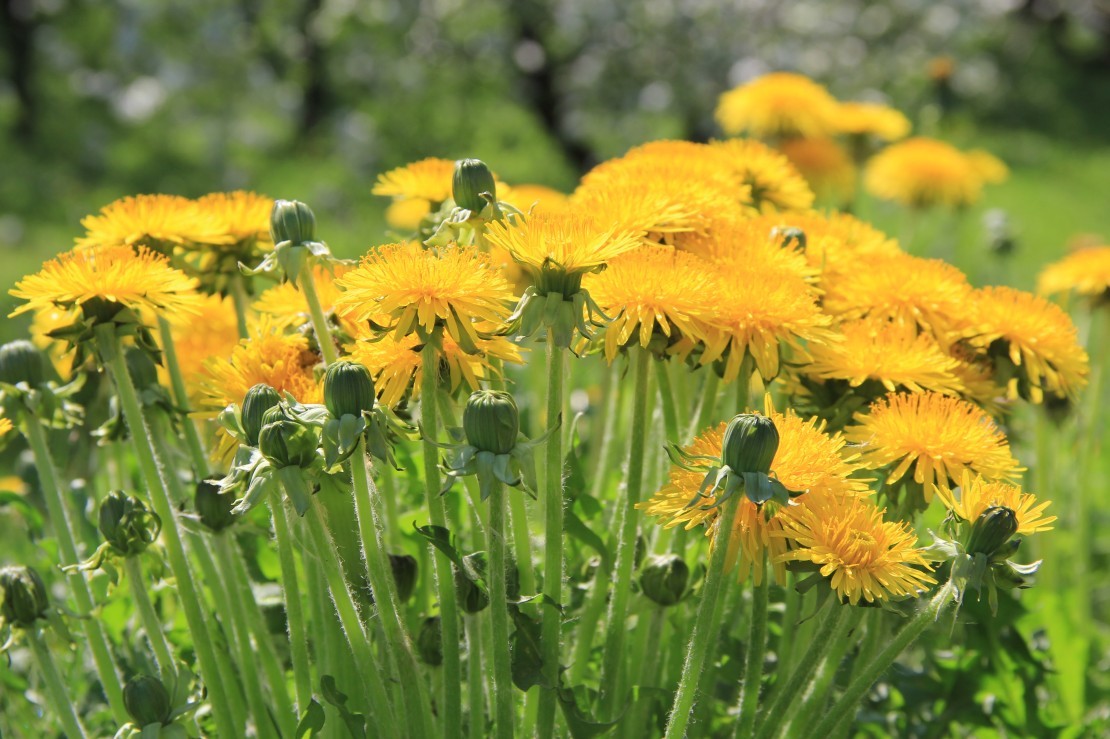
(292, 221)
(143, 370)
(22, 361)
(213, 507)
(147, 701)
(284, 441)
(491, 421)
(429, 641)
(472, 598)
(23, 597)
(405, 569)
(259, 399)
(665, 578)
(472, 178)
(348, 389)
(127, 524)
(994, 527)
(750, 443)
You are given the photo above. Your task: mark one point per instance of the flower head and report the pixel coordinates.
(1086, 271)
(428, 180)
(159, 222)
(778, 104)
(287, 302)
(872, 119)
(976, 494)
(863, 556)
(922, 173)
(773, 183)
(420, 289)
(530, 198)
(243, 218)
(217, 340)
(941, 437)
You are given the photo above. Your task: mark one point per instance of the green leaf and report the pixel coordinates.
(579, 722)
(311, 721)
(356, 722)
(441, 538)
(577, 528)
(527, 659)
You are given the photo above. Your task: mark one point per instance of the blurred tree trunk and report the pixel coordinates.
(19, 35)
(317, 97)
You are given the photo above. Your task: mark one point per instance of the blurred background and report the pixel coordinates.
(312, 99)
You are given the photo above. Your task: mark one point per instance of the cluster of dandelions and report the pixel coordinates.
(331, 516)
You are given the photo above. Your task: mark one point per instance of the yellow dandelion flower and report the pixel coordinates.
(654, 290)
(925, 292)
(892, 354)
(863, 556)
(397, 368)
(939, 436)
(872, 119)
(453, 287)
(1086, 271)
(774, 183)
(213, 333)
(922, 173)
(407, 214)
(1033, 342)
(974, 373)
(243, 219)
(825, 165)
(111, 279)
(780, 104)
(531, 198)
(5, 426)
(156, 221)
(807, 459)
(976, 494)
(287, 303)
(282, 360)
(992, 169)
(47, 320)
(428, 179)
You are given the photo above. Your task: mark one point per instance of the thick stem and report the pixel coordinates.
(757, 648)
(445, 585)
(860, 684)
(813, 697)
(294, 612)
(553, 540)
(613, 653)
(671, 421)
(242, 303)
(163, 655)
(55, 687)
(707, 408)
(522, 543)
(319, 321)
(704, 626)
(475, 685)
(62, 522)
(181, 398)
(499, 616)
(418, 715)
(773, 715)
(154, 477)
(646, 667)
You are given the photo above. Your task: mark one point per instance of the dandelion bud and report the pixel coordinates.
(147, 701)
(491, 421)
(472, 598)
(665, 578)
(22, 361)
(404, 569)
(141, 368)
(750, 443)
(348, 389)
(260, 399)
(284, 441)
(472, 178)
(23, 598)
(127, 524)
(994, 527)
(213, 507)
(429, 642)
(292, 221)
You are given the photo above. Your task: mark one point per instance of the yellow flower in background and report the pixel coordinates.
(992, 169)
(287, 303)
(893, 354)
(565, 242)
(42, 323)
(929, 293)
(774, 183)
(243, 219)
(807, 459)
(976, 494)
(922, 172)
(529, 198)
(428, 180)
(112, 278)
(211, 334)
(156, 221)
(939, 436)
(655, 290)
(397, 369)
(1086, 271)
(406, 215)
(5, 426)
(872, 119)
(281, 360)
(826, 166)
(779, 104)
(863, 556)
(1033, 343)
(454, 287)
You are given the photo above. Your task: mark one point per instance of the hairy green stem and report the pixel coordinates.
(242, 303)
(757, 649)
(475, 685)
(319, 321)
(294, 612)
(499, 615)
(181, 399)
(155, 634)
(55, 687)
(60, 518)
(813, 697)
